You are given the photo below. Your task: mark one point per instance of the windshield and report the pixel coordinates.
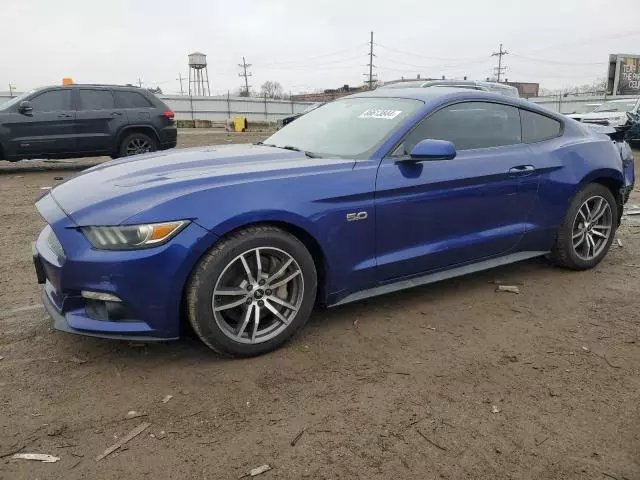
(347, 128)
(616, 106)
(15, 100)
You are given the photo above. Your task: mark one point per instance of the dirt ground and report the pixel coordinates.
(452, 380)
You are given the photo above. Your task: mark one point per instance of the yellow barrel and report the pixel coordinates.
(239, 124)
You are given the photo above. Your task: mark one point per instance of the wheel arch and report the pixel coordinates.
(129, 129)
(299, 232)
(612, 180)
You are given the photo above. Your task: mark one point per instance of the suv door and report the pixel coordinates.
(98, 121)
(435, 214)
(45, 131)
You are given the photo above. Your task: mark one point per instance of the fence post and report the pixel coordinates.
(291, 100)
(560, 102)
(266, 116)
(227, 128)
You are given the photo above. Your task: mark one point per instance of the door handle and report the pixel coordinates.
(64, 115)
(115, 114)
(521, 170)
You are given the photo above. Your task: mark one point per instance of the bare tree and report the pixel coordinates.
(271, 89)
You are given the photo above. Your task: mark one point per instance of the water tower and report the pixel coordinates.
(198, 82)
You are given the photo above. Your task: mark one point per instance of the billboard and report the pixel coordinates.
(623, 77)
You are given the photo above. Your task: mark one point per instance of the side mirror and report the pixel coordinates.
(433, 150)
(25, 107)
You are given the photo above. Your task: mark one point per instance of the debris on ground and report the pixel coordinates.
(619, 242)
(586, 349)
(77, 360)
(167, 398)
(134, 414)
(1, 357)
(503, 282)
(129, 436)
(494, 409)
(58, 178)
(355, 324)
(55, 430)
(295, 440)
(431, 441)
(508, 288)
(40, 457)
(259, 470)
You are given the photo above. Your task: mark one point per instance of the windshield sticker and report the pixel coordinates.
(380, 113)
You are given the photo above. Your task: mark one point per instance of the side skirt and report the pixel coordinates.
(438, 276)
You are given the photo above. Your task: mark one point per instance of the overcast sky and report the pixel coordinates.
(307, 45)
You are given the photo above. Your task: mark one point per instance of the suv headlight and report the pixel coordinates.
(131, 237)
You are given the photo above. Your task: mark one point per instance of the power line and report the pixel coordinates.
(499, 69)
(556, 62)
(370, 81)
(244, 65)
(413, 54)
(309, 59)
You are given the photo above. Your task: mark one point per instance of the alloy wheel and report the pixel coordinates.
(257, 295)
(137, 146)
(592, 228)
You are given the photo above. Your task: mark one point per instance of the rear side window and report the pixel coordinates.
(132, 100)
(52, 101)
(536, 127)
(468, 125)
(96, 100)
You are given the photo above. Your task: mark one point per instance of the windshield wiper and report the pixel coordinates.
(292, 148)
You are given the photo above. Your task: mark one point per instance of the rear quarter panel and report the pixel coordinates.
(565, 165)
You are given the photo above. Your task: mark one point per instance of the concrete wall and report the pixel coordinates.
(256, 109)
(221, 108)
(572, 103)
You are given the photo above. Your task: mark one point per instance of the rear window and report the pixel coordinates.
(536, 127)
(132, 100)
(96, 99)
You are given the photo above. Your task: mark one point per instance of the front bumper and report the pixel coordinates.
(149, 282)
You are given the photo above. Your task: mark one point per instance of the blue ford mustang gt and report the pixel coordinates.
(369, 194)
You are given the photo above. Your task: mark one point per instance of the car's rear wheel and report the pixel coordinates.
(588, 228)
(252, 291)
(137, 143)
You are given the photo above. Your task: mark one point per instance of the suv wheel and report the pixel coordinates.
(137, 143)
(252, 291)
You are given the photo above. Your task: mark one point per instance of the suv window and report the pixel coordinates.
(52, 101)
(131, 100)
(536, 127)
(96, 99)
(468, 125)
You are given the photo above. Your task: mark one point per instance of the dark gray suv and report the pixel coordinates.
(84, 120)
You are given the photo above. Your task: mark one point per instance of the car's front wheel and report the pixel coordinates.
(252, 291)
(588, 229)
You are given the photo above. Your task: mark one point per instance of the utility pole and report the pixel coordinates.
(244, 65)
(499, 69)
(370, 81)
(180, 78)
(10, 91)
(139, 82)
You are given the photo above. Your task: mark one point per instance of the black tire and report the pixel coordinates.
(563, 253)
(200, 288)
(137, 138)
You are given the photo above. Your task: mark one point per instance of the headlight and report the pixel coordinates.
(129, 237)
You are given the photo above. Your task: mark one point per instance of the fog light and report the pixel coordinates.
(105, 297)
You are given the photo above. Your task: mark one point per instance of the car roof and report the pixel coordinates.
(445, 94)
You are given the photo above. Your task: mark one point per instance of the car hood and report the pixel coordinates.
(112, 192)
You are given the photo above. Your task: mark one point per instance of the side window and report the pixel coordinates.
(536, 127)
(131, 100)
(52, 101)
(96, 100)
(468, 125)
